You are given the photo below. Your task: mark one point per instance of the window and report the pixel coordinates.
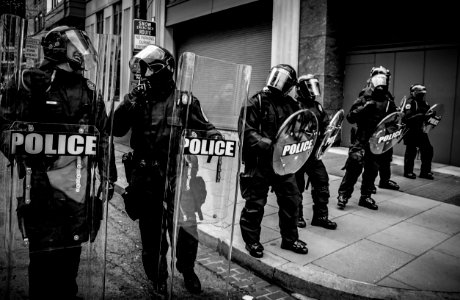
(100, 22)
(117, 18)
(140, 9)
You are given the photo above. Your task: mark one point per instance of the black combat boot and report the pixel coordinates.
(191, 281)
(256, 250)
(426, 175)
(298, 246)
(410, 175)
(389, 184)
(368, 202)
(323, 222)
(342, 201)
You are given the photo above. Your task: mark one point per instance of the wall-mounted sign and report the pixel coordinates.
(32, 48)
(144, 33)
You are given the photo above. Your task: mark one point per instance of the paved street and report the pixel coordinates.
(126, 278)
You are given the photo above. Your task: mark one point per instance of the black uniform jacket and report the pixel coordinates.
(367, 118)
(265, 114)
(414, 116)
(57, 215)
(157, 122)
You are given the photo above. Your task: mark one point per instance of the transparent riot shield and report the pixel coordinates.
(206, 164)
(332, 131)
(432, 117)
(388, 133)
(295, 141)
(56, 163)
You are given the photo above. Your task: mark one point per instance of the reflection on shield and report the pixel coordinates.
(295, 141)
(432, 117)
(208, 161)
(52, 170)
(388, 133)
(402, 104)
(331, 133)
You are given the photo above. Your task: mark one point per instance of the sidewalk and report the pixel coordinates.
(408, 249)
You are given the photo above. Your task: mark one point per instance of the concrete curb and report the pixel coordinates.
(314, 283)
(305, 281)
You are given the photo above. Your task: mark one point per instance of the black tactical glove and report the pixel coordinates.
(370, 104)
(265, 143)
(140, 91)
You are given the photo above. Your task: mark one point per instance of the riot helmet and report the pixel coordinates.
(282, 78)
(378, 82)
(65, 44)
(378, 70)
(418, 91)
(308, 87)
(381, 70)
(154, 63)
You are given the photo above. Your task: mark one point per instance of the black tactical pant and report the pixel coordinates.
(155, 221)
(421, 141)
(319, 179)
(385, 165)
(53, 274)
(360, 157)
(255, 184)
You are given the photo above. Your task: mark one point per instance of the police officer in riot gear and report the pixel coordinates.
(307, 90)
(148, 111)
(55, 221)
(385, 165)
(414, 115)
(266, 111)
(367, 111)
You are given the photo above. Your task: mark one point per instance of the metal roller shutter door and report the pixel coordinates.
(240, 35)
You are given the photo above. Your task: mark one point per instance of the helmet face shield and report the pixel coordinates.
(151, 60)
(309, 87)
(80, 50)
(281, 80)
(379, 80)
(418, 90)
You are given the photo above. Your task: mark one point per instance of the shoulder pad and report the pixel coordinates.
(90, 85)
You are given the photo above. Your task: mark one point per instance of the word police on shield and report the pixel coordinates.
(297, 148)
(388, 133)
(53, 143)
(200, 146)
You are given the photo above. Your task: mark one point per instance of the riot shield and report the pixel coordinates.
(402, 104)
(432, 117)
(56, 164)
(388, 133)
(295, 141)
(332, 131)
(206, 164)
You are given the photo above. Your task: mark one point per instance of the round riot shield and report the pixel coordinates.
(56, 164)
(204, 168)
(388, 133)
(294, 142)
(332, 131)
(432, 117)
